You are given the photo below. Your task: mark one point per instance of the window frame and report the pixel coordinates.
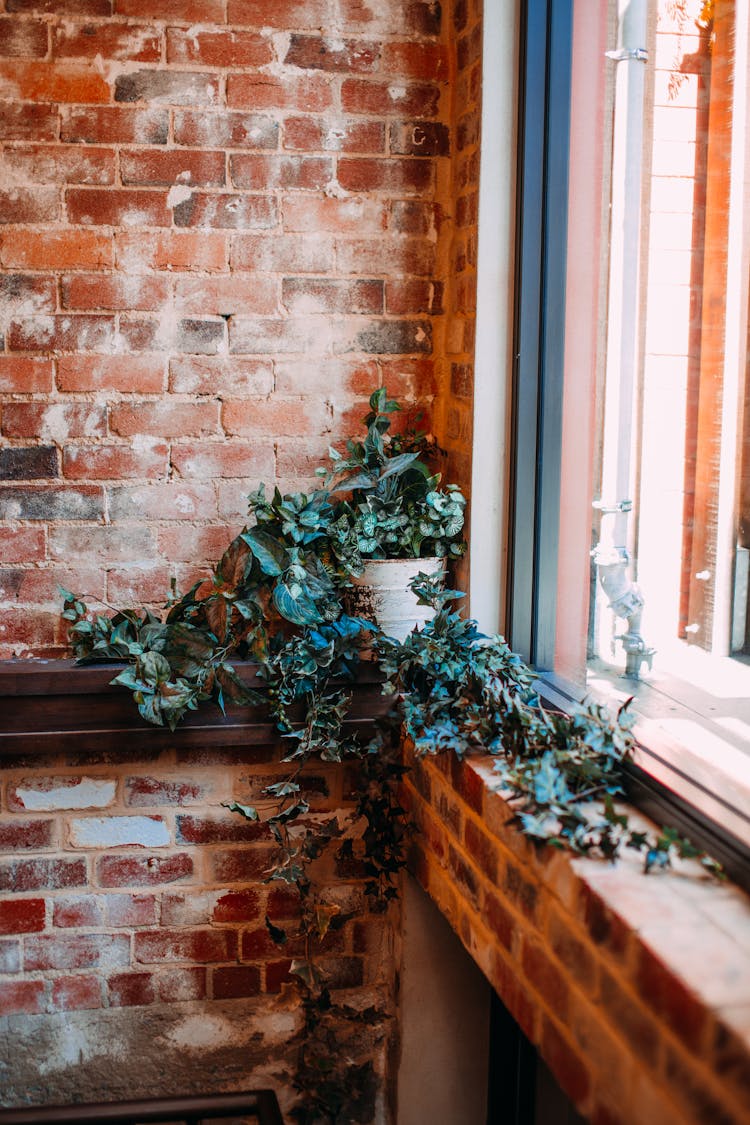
(536, 425)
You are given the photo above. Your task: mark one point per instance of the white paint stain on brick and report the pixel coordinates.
(118, 831)
(178, 193)
(82, 793)
(200, 1032)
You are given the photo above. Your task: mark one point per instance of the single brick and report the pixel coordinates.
(310, 93)
(225, 130)
(131, 374)
(277, 974)
(267, 173)
(288, 253)
(277, 13)
(32, 294)
(200, 337)
(429, 61)
(226, 211)
(339, 56)
(154, 166)
(70, 333)
(206, 461)
(134, 871)
(324, 295)
(412, 99)
(128, 910)
(134, 585)
(419, 138)
(51, 249)
(28, 122)
(241, 865)
(52, 82)
(118, 207)
(21, 916)
(409, 296)
(22, 544)
(218, 47)
(27, 40)
(401, 175)
(383, 337)
(128, 990)
(10, 955)
(29, 205)
(21, 997)
(547, 977)
(114, 125)
(174, 985)
(53, 164)
(34, 463)
(62, 7)
(54, 422)
(236, 906)
(196, 945)
(167, 87)
(225, 296)
(482, 849)
(194, 829)
(165, 419)
(235, 981)
(48, 794)
(173, 500)
(37, 874)
(170, 250)
(38, 502)
(147, 791)
(384, 256)
(21, 835)
(341, 216)
(186, 11)
(76, 951)
(95, 291)
(75, 911)
(118, 831)
(275, 417)
(130, 42)
(107, 544)
(76, 993)
(338, 135)
(193, 544)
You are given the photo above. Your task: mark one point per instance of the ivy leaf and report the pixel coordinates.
(248, 811)
(295, 605)
(308, 973)
(277, 935)
(324, 915)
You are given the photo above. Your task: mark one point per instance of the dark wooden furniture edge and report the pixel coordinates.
(262, 1104)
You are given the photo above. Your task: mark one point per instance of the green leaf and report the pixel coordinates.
(295, 605)
(272, 556)
(248, 811)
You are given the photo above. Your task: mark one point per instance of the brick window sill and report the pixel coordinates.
(635, 989)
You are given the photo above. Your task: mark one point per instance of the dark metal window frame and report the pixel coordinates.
(544, 86)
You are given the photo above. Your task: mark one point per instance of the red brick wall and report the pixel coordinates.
(132, 933)
(215, 238)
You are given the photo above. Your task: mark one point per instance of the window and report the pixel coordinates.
(630, 481)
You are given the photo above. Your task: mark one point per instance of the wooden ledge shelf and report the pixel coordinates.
(59, 706)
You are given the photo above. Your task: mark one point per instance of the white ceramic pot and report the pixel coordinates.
(382, 594)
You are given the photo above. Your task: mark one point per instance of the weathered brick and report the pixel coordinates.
(76, 951)
(236, 906)
(267, 173)
(165, 418)
(27, 293)
(62, 7)
(347, 56)
(173, 500)
(114, 125)
(400, 175)
(241, 864)
(77, 332)
(234, 981)
(51, 249)
(385, 256)
(75, 911)
(130, 42)
(52, 82)
(384, 337)
(22, 544)
(225, 296)
(54, 422)
(118, 831)
(263, 336)
(547, 977)
(413, 99)
(128, 910)
(22, 916)
(206, 461)
(131, 374)
(310, 93)
(27, 40)
(419, 138)
(415, 17)
(29, 463)
(277, 13)
(119, 207)
(323, 295)
(226, 211)
(196, 829)
(193, 544)
(21, 997)
(42, 584)
(49, 164)
(76, 993)
(629, 1015)
(218, 47)
(197, 945)
(220, 376)
(108, 544)
(574, 953)
(29, 205)
(275, 416)
(565, 1063)
(10, 955)
(288, 253)
(429, 61)
(175, 985)
(28, 122)
(227, 129)
(139, 585)
(482, 849)
(99, 291)
(185, 11)
(129, 990)
(40, 502)
(408, 296)
(168, 87)
(152, 167)
(170, 250)
(37, 874)
(137, 871)
(308, 134)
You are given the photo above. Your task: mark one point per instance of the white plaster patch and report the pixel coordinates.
(184, 503)
(178, 193)
(85, 793)
(118, 831)
(396, 93)
(420, 335)
(144, 443)
(197, 1033)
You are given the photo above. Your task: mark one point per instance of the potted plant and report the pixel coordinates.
(395, 521)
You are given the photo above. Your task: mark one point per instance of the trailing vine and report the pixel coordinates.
(278, 597)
